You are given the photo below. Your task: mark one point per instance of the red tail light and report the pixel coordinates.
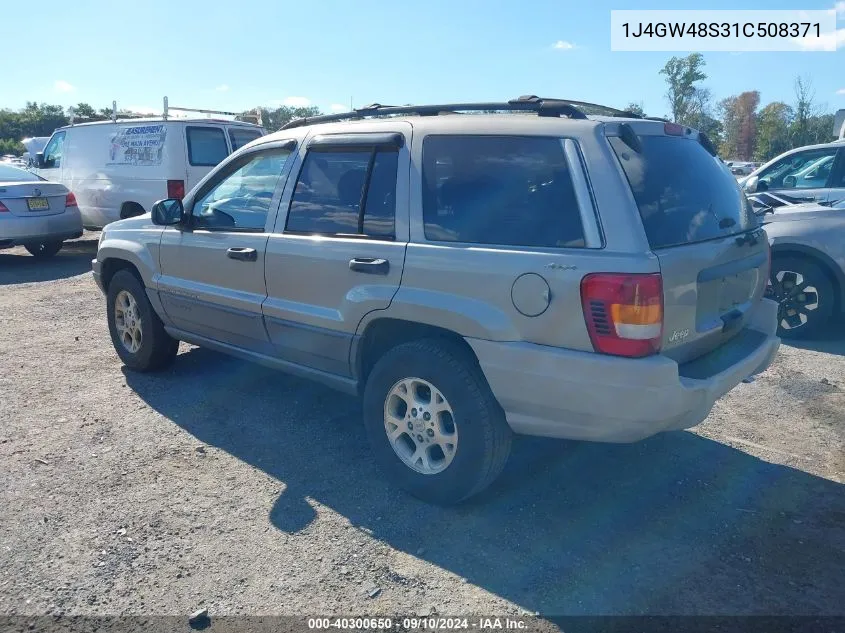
(624, 313)
(673, 129)
(3, 208)
(176, 189)
(70, 200)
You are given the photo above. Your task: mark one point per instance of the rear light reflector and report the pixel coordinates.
(3, 208)
(70, 200)
(176, 189)
(624, 313)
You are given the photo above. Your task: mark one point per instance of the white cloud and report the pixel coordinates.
(563, 45)
(222, 88)
(296, 102)
(841, 91)
(63, 86)
(826, 42)
(840, 10)
(337, 107)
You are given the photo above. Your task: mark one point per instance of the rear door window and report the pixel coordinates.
(503, 190)
(239, 136)
(206, 146)
(683, 194)
(346, 192)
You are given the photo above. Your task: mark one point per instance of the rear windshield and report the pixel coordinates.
(683, 193)
(9, 173)
(241, 136)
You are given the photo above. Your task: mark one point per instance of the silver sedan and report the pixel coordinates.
(36, 213)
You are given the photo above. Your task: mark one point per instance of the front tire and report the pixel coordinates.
(137, 333)
(43, 250)
(433, 423)
(804, 294)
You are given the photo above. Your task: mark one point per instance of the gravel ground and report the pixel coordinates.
(225, 485)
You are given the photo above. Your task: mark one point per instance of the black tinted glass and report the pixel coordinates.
(239, 137)
(331, 187)
(683, 193)
(505, 190)
(206, 146)
(381, 196)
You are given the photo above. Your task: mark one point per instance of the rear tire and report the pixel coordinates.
(137, 333)
(474, 426)
(43, 250)
(804, 294)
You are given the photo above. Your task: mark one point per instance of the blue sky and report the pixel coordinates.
(268, 52)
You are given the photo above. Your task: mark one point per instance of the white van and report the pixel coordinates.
(117, 169)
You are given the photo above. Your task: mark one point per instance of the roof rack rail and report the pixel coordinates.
(238, 115)
(526, 103)
(115, 115)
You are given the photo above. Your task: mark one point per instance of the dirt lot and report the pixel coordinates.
(226, 485)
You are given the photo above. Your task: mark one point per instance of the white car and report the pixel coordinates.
(119, 169)
(36, 214)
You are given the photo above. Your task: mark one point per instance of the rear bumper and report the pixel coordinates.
(579, 395)
(17, 230)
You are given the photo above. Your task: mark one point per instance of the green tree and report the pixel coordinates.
(773, 123)
(635, 108)
(275, 119)
(684, 95)
(805, 110)
(11, 146)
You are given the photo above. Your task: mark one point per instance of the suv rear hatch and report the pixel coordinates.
(713, 257)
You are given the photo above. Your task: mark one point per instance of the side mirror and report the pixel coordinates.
(168, 212)
(750, 184)
(39, 160)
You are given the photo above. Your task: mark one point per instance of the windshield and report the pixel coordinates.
(684, 194)
(8, 173)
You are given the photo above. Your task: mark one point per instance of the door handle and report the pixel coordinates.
(369, 265)
(242, 254)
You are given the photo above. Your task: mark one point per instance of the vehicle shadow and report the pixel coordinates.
(830, 341)
(678, 524)
(19, 267)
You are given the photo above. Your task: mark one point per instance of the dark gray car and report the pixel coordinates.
(540, 272)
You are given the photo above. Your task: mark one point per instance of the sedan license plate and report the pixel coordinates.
(38, 204)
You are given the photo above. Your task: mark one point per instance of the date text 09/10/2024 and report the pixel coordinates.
(419, 624)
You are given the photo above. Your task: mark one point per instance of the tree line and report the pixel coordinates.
(737, 125)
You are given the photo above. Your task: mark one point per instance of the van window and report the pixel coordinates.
(53, 151)
(504, 190)
(683, 194)
(206, 146)
(239, 136)
(332, 186)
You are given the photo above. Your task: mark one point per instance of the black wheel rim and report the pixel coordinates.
(797, 298)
